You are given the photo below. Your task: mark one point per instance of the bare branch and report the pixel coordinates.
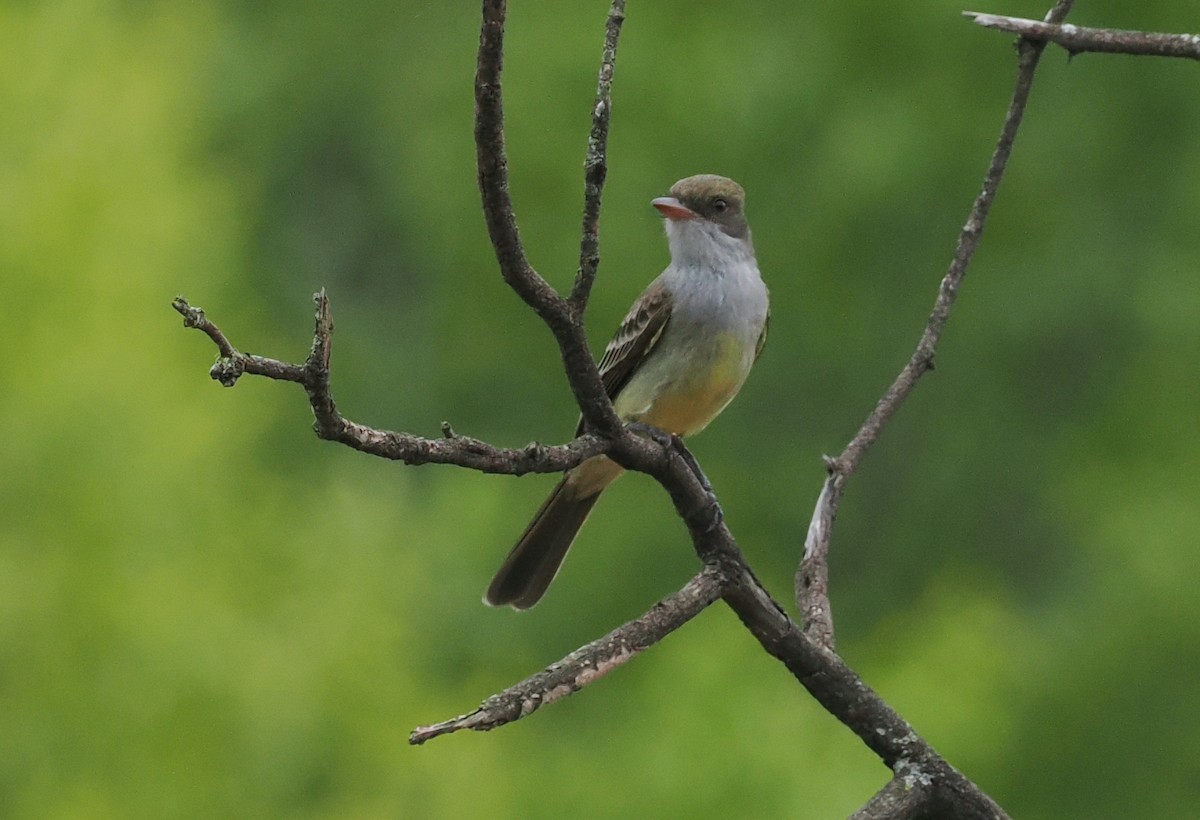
(811, 585)
(1080, 39)
(586, 664)
(233, 363)
(968, 240)
(596, 164)
(329, 424)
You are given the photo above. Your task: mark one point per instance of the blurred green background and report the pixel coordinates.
(207, 612)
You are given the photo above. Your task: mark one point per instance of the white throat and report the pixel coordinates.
(700, 243)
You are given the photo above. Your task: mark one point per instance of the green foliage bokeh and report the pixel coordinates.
(206, 612)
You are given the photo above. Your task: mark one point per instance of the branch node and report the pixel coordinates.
(838, 468)
(227, 370)
(448, 431)
(192, 316)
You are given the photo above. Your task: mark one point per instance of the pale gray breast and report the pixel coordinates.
(709, 302)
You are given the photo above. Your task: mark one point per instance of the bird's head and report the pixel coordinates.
(705, 218)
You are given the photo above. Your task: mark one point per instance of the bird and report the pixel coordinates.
(678, 358)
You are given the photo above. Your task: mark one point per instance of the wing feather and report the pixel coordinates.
(639, 332)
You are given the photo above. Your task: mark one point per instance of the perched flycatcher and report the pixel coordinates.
(679, 357)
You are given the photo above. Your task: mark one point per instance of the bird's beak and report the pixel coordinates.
(672, 208)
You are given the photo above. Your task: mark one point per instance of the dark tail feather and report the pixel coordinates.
(534, 561)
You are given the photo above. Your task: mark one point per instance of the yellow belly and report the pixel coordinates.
(682, 394)
(690, 409)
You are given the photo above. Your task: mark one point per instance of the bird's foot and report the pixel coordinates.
(693, 465)
(675, 443)
(659, 436)
(714, 511)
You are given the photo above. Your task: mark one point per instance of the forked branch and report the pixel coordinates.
(563, 317)
(313, 376)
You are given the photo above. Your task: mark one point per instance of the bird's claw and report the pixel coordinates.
(718, 514)
(674, 443)
(714, 507)
(693, 465)
(660, 437)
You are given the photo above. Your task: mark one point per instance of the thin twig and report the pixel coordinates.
(1080, 39)
(194, 317)
(586, 664)
(232, 362)
(596, 163)
(812, 596)
(313, 376)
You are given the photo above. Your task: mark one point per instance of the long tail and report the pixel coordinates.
(534, 561)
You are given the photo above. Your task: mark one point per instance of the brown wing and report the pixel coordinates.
(634, 339)
(762, 337)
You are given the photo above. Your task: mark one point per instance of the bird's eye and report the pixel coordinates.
(720, 206)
